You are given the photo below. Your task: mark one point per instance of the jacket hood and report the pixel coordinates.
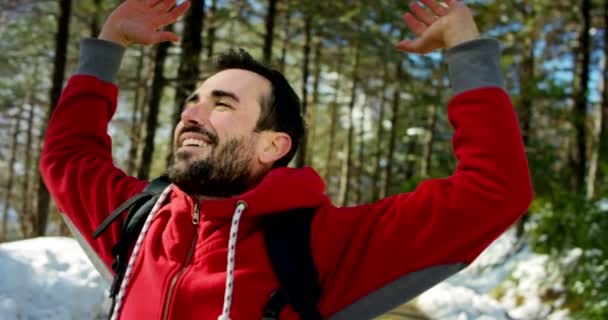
(282, 189)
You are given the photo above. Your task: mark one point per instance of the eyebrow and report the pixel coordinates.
(222, 93)
(192, 98)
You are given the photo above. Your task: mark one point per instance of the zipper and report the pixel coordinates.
(171, 290)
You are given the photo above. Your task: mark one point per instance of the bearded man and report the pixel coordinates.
(201, 253)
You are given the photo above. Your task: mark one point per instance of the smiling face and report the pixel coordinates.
(225, 106)
(217, 150)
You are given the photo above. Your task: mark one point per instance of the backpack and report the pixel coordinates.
(287, 239)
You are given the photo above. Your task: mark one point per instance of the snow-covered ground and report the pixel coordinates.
(51, 279)
(507, 267)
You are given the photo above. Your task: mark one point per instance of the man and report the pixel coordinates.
(201, 253)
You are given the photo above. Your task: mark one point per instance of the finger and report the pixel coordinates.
(175, 14)
(451, 3)
(164, 5)
(422, 14)
(415, 25)
(164, 36)
(414, 46)
(179, 11)
(152, 3)
(149, 3)
(437, 8)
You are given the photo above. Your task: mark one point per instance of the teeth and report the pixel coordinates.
(194, 142)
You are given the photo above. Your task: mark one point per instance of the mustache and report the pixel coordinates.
(200, 130)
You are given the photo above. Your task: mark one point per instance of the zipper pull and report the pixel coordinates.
(197, 214)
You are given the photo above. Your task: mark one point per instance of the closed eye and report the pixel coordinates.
(224, 105)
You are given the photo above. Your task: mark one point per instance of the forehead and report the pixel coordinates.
(247, 85)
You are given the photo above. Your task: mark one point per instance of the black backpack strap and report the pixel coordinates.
(287, 237)
(138, 207)
(155, 187)
(138, 198)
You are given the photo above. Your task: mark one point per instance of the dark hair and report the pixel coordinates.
(281, 111)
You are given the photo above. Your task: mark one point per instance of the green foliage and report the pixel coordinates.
(573, 231)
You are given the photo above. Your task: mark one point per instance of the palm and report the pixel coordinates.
(139, 21)
(438, 27)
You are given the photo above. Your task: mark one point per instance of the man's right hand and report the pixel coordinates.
(439, 27)
(139, 21)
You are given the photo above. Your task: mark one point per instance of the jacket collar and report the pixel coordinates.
(282, 189)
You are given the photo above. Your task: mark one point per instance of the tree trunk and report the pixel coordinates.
(580, 96)
(136, 116)
(429, 140)
(146, 93)
(286, 37)
(409, 165)
(301, 156)
(64, 231)
(601, 154)
(361, 153)
(526, 101)
(269, 35)
(61, 46)
(188, 71)
(527, 72)
(95, 17)
(333, 125)
(312, 124)
(430, 132)
(348, 146)
(211, 29)
(595, 133)
(11, 177)
(27, 212)
(527, 84)
(376, 179)
(604, 126)
(156, 93)
(393, 134)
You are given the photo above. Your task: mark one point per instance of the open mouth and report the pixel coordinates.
(192, 142)
(195, 139)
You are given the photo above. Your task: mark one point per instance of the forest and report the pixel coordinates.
(376, 117)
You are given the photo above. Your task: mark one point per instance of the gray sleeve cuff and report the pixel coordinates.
(100, 59)
(475, 64)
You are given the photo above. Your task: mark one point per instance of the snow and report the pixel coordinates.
(51, 279)
(521, 275)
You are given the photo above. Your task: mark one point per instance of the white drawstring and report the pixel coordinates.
(140, 238)
(234, 228)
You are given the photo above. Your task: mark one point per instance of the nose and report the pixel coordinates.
(195, 114)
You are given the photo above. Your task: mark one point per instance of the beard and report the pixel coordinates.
(224, 172)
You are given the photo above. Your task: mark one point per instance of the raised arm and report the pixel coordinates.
(373, 257)
(76, 162)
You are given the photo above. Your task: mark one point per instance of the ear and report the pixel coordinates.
(273, 146)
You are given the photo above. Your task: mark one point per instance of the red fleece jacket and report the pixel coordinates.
(357, 250)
